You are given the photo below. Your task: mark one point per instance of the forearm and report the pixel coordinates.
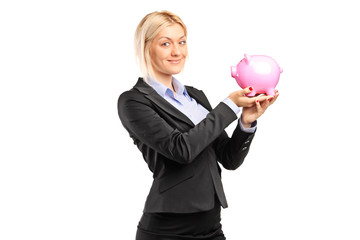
(187, 146)
(232, 151)
(145, 125)
(247, 127)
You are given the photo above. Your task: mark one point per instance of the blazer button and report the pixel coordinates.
(247, 141)
(244, 148)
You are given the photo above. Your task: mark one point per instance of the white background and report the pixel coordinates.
(69, 169)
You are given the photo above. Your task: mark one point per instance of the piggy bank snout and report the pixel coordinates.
(233, 71)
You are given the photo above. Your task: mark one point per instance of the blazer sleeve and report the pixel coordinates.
(231, 152)
(144, 124)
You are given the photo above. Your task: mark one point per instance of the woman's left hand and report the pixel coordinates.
(251, 114)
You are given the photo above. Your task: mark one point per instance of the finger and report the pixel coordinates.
(248, 90)
(275, 97)
(259, 108)
(249, 102)
(252, 101)
(267, 102)
(240, 92)
(269, 99)
(262, 98)
(276, 93)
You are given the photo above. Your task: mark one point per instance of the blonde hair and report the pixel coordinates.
(146, 31)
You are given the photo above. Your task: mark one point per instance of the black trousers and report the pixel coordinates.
(181, 226)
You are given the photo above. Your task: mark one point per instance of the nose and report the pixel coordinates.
(175, 51)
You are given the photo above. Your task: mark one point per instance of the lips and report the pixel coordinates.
(175, 61)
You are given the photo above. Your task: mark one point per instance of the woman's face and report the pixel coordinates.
(168, 51)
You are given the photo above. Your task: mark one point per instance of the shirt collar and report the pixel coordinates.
(162, 90)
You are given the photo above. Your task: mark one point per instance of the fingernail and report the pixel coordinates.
(269, 99)
(257, 101)
(250, 88)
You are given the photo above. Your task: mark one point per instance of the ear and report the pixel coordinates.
(247, 58)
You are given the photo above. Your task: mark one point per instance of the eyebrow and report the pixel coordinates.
(171, 38)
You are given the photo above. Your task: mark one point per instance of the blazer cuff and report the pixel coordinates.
(251, 129)
(232, 105)
(226, 111)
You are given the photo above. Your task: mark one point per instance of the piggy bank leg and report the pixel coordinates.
(252, 94)
(270, 92)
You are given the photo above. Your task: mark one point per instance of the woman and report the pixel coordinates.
(182, 137)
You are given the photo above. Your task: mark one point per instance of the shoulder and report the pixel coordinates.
(134, 101)
(132, 104)
(129, 95)
(137, 93)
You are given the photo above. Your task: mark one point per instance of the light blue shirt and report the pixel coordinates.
(188, 105)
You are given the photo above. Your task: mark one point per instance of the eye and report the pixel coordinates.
(165, 44)
(182, 42)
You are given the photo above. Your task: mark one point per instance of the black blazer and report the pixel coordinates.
(183, 157)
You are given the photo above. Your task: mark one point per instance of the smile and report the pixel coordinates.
(175, 61)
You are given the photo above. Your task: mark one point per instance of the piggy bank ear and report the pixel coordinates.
(247, 58)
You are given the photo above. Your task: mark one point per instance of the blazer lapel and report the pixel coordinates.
(199, 96)
(153, 96)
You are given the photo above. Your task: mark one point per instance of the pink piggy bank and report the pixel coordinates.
(259, 71)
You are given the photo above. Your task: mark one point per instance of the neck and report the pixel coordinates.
(166, 80)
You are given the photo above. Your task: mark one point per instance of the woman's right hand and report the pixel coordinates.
(241, 100)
